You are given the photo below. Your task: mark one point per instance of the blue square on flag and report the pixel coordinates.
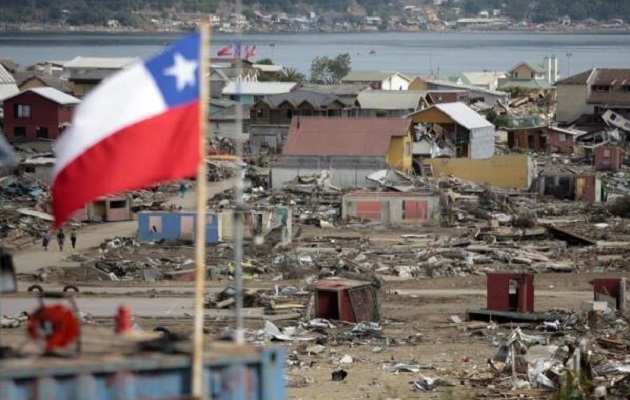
(176, 71)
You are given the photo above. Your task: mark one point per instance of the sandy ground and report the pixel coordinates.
(415, 317)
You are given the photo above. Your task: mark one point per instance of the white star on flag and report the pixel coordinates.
(183, 71)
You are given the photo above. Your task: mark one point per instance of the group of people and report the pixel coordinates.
(61, 239)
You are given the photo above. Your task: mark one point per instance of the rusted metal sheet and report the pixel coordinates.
(369, 209)
(415, 209)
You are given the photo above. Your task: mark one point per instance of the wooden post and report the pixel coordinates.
(200, 227)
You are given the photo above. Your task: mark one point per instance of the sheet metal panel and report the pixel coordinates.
(256, 375)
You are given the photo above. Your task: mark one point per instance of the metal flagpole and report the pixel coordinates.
(200, 231)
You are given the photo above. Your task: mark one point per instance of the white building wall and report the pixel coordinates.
(395, 82)
(392, 211)
(571, 102)
(482, 142)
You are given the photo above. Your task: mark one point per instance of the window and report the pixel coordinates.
(288, 113)
(334, 113)
(515, 74)
(155, 224)
(307, 112)
(606, 153)
(19, 131)
(259, 112)
(533, 75)
(408, 148)
(562, 137)
(22, 110)
(41, 132)
(118, 204)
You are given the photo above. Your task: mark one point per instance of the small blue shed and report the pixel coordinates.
(175, 225)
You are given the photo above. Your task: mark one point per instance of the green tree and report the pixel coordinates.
(289, 74)
(265, 61)
(329, 71)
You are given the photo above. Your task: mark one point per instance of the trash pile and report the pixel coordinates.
(23, 211)
(586, 354)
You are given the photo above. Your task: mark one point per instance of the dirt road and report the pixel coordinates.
(31, 258)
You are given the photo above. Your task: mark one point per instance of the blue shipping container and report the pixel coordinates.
(248, 373)
(175, 225)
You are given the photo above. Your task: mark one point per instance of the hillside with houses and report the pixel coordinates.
(317, 16)
(357, 233)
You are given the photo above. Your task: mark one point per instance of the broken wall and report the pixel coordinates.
(507, 172)
(345, 172)
(393, 208)
(176, 225)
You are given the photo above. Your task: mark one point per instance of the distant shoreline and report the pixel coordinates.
(114, 31)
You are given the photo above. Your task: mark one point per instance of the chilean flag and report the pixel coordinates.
(138, 127)
(225, 51)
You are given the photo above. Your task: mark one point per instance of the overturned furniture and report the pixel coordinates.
(346, 300)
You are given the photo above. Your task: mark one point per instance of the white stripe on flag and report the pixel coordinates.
(126, 98)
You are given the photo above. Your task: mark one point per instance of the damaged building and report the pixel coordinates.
(351, 148)
(456, 130)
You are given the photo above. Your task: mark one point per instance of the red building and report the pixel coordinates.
(608, 158)
(38, 113)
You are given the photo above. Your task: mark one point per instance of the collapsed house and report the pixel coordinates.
(351, 148)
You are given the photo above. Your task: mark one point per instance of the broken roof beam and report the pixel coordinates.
(570, 237)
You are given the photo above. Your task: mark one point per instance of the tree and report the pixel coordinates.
(289, 74)
(329, 71)
(265, 61)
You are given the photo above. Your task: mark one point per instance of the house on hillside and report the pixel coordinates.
(378, 79)
(271, 116)
(349, 148)
(531, 75)
(249, 91)
(87, 72)
(33, 79)
(591, 93)
(457, 127)
(39, 113)
(475, 93)
(390, 103)
(482, 79)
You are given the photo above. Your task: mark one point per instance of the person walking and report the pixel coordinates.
(73, 238)
(182, 190)
(46, 240)
(61, 238)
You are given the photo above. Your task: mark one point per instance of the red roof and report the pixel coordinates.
(324, 136)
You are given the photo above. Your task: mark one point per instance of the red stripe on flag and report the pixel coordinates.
(165, 147)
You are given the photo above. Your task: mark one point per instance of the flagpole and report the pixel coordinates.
(200, 227)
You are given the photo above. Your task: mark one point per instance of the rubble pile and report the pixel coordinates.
(23, 210)
(586, 354)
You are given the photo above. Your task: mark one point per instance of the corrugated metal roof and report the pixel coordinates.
(100, 62)
(344, 90)
(577, 79)
(5, 76)
(390, 99)
(322, 136)
(369, 76)
(463, 115)
(268, 68)
(298, 97)
(54, 95)
(256, 88)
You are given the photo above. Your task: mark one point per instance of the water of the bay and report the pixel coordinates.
(413, 53)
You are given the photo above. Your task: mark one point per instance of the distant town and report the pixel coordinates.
(407, 19)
